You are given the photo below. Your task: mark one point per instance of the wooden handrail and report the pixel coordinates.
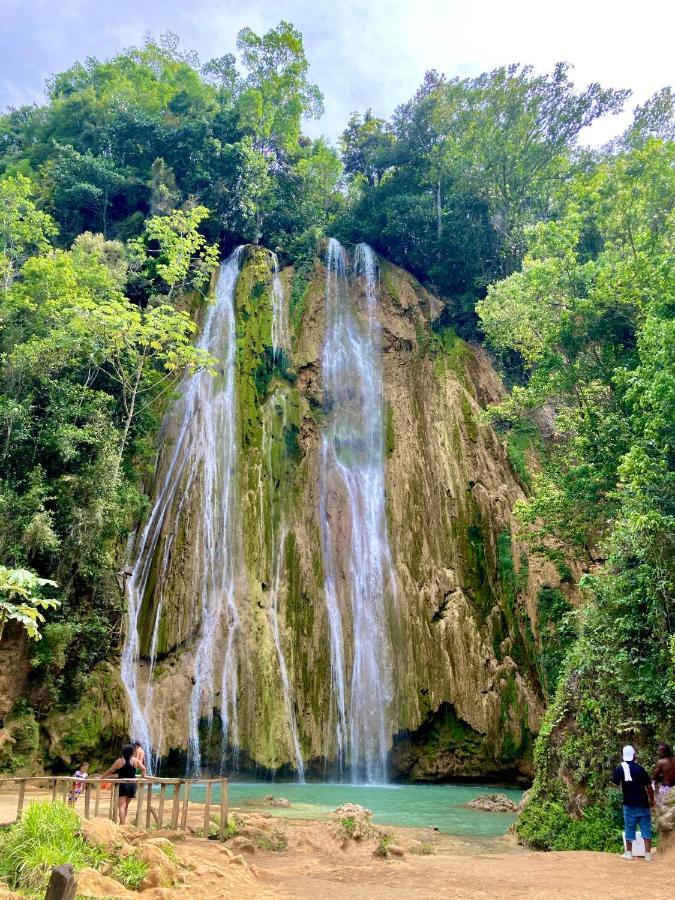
(178, 818)
(94, 779)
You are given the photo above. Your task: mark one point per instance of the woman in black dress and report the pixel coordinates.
(125, 767)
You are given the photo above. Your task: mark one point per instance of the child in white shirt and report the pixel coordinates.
(78, 786)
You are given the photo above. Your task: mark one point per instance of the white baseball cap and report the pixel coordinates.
(628, 753)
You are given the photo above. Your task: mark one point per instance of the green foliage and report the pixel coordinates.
(84, 374)
(422, 848)
(232, 828)
(152, 127)
(520, 438)
(19, 750)
(384, 842)
(348, 825)
(557, 631)
(276, 93)
(449, 186)
(170, 851)
(547, 825)
(24, 229)
(130, 870)
(183, 259)
(47, 835)
(591, 315)
(276, 841)
(20, 600)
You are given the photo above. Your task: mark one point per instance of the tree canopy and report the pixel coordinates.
(119, 194)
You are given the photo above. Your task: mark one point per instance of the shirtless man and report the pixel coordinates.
(663, 775)
(139, 752)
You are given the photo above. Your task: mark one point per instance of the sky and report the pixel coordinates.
(361, 54)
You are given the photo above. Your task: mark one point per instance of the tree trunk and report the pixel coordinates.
(439, 223)
(130, 414)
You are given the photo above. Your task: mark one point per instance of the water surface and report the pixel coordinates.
(414, 805)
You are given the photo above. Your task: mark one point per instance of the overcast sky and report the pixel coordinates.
(361, 54)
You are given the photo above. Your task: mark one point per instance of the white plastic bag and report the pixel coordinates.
(638, 843)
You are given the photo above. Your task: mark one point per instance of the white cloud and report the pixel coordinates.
(361, 55)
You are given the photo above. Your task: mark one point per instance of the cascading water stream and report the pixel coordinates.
(281, 339)
(277, 407)
(204, 453)
(360, 586)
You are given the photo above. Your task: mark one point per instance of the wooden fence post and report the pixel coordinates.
(224, 803)
(98, 797)
(139, 804)
(207, 808)
(87, 800)
(160, 812)
(114, 788)
(148, 811)
(110, 806)
(22, 795)
(175, 809)
(186, 800)
(55, 782)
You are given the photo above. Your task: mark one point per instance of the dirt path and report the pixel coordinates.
(313, 868)
(315, 864)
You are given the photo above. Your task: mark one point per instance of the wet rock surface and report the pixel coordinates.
(493, 803)
(465, 699)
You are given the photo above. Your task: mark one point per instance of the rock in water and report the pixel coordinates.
(492, 803)
(279, 802)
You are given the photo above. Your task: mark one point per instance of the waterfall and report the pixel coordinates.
(281, 341)
(360, 584)
(204, 455)
(277, 407)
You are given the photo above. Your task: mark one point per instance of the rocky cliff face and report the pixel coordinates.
(466, 698)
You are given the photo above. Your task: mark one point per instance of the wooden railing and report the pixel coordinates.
(146, 810)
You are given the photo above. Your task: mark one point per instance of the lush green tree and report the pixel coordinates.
(21, 600)
(176, 251)
(465, 166)
(367, 145)
(276, 92)
(24, 229)
(591, 316)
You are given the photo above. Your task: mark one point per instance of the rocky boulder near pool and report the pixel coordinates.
(493, 803)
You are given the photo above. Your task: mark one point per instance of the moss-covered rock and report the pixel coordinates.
(94, 729)
(19, 744)
(464, 630)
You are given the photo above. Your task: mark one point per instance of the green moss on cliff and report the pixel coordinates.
(469, 421)
(20, 743)
(255, 363)
(469, 539)
(522, 437)
(449, 735)
(94, 729)
(557, 632)
(389, 433)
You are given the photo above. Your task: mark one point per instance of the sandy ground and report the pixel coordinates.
(316, 864)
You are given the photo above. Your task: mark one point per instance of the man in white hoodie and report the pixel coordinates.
(638, 800)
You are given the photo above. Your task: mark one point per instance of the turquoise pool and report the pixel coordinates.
(417, 805)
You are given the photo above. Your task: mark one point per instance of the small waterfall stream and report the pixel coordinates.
(204, 455)
(203, 466)
(276, 407)
(360, 584)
